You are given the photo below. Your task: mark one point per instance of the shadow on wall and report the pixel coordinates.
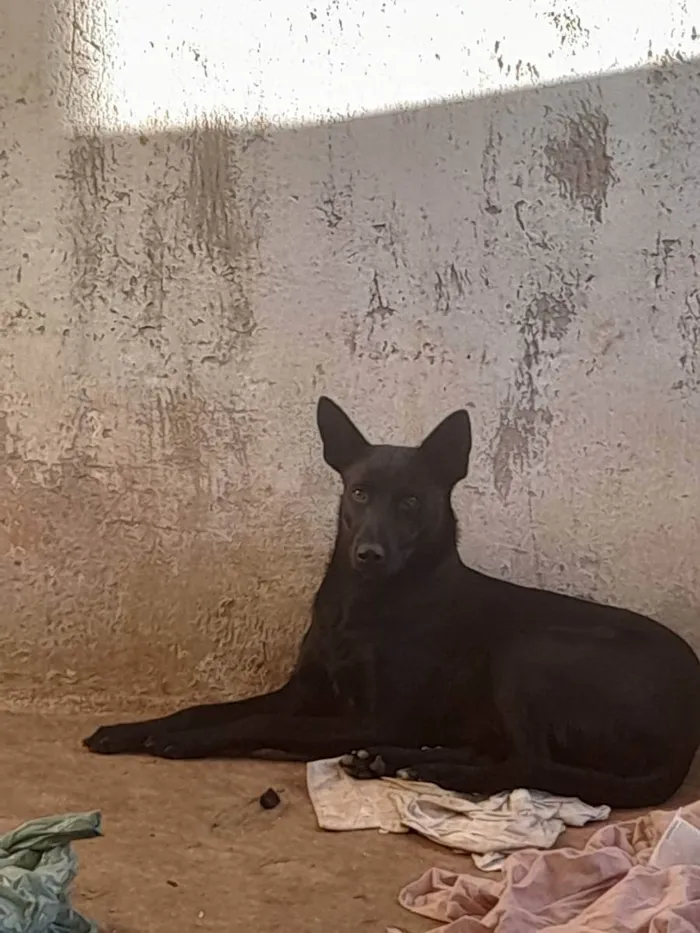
(180, 300)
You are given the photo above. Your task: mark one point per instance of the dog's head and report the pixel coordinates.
(395, 512)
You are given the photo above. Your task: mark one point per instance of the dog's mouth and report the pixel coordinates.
(370, 573)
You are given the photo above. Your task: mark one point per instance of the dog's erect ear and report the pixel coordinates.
(446, 449)
(343, 444)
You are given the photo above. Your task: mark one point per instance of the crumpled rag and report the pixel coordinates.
(37, 868)
(631, 877)
(488, 829)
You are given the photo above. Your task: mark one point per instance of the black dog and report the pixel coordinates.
(439, 673)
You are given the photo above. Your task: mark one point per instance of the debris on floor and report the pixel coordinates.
(487, 829)
(37, 868)
(270, 799)
(626, 877)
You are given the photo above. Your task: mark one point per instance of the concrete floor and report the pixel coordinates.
(186, 845)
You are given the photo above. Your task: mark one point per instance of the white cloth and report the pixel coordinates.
(488, 830)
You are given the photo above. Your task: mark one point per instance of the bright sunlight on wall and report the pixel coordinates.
(288, 61)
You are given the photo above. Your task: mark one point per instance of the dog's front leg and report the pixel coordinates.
(134, 737)
(305, 738)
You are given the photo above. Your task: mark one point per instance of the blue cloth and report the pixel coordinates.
(37, 868)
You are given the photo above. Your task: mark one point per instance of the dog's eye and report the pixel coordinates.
(409, 504)
(359, 494)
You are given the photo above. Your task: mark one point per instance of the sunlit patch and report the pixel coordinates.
(171, 62)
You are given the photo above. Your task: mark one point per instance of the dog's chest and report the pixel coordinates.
(374, 665)
(353, 668)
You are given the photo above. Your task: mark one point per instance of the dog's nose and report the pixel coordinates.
(370, 554)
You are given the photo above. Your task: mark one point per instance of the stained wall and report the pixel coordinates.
(174, 299)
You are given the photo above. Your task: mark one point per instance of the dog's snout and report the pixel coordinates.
(370, 555)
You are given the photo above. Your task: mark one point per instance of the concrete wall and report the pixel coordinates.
(173, 301)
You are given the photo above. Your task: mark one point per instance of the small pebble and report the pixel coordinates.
(173, 884)
(270, 799)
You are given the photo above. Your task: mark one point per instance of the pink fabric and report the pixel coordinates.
(606, 887)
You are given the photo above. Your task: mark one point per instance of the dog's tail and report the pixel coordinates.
(597, 788)
(593, 787)
(618, 792)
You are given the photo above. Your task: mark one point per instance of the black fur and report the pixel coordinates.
(437, 672)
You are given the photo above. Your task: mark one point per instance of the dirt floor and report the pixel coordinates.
(187, 847)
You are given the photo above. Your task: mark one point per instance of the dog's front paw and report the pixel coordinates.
(364, 765)
(117, 740)
(175, 746)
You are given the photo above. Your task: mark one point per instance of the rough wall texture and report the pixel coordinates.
(172, 303)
